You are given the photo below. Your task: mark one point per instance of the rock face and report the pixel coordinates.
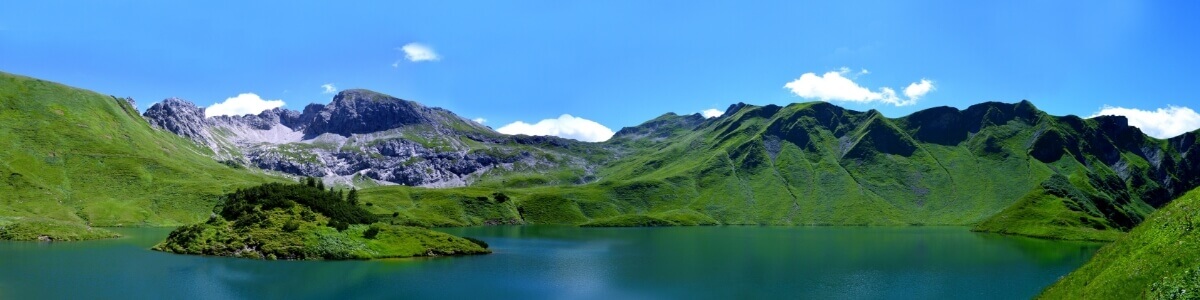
(362, 111)
(181, 117)
(367, 136)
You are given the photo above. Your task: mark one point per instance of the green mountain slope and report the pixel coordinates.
(1159, 259)
(819, 164)
(72, 159)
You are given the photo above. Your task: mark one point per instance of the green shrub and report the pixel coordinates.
(339, 225)
(291, 226)
(277, 195)
(372, 232)
(500, 197)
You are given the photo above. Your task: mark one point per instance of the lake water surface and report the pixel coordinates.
(540, 262)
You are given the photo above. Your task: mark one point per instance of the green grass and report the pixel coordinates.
(428, 207)
(1043, 215)
(39, 229)
(630, 221)
(79, 159)
(1158, 259)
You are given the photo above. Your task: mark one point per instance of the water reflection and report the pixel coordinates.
(574, 263)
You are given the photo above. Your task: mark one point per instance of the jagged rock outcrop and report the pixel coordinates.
(360, 111)
(180, 117)
(361, 135)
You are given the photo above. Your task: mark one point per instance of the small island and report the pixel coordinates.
(307, 222)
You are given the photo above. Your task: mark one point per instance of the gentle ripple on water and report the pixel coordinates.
(546, 262)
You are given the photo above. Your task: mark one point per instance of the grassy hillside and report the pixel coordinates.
(1010, 166)
(1160, 259)
(562, 205)
(72, 159)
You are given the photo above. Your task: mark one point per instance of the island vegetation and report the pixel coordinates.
(304, 222)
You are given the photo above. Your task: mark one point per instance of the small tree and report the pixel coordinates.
(352, 197)
(320, 184)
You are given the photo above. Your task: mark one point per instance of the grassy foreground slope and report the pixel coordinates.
(1160, 259)
(71, 159)
(291, 221)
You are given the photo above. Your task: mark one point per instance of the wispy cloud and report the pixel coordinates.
(479, 120)
(246, 103)
(566, 126)
(1160, 123)
(417, 52)
(712, 113)
(328, 88)
(834, 86)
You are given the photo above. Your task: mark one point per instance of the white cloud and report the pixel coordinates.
(246, 103)
(834, 86)
(479, 120)
(417, 52)
(329, 88)
(1160, 123)
(565, 126)
(916, 90)
(711, 113)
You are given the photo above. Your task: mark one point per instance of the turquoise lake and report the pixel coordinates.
(543, 262)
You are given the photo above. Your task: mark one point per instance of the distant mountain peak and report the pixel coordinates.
(357, 111)
(358, 133)
(181, 117)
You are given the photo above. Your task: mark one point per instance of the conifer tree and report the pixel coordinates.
(352, 197)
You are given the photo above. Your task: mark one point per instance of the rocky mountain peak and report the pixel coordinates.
(180, 117)
(359, 111)
(361, 133)
(662, 127)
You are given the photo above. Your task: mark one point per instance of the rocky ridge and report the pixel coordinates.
(364, 137)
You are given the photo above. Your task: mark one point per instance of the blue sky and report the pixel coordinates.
(619, 63)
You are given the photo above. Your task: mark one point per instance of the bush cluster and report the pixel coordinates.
(278, 195)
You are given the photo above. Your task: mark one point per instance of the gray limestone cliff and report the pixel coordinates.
(367, 136)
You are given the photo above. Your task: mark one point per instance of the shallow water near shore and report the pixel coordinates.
(548, 262)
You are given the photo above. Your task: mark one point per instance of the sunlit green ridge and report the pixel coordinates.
(73, 160)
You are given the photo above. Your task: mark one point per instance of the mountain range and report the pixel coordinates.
(1003, 167)
(363, 137)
